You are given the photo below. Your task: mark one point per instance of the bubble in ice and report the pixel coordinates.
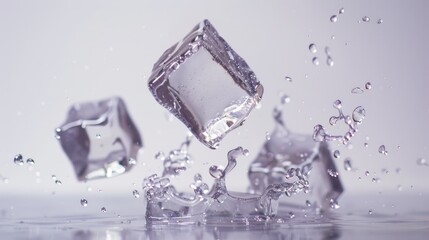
(341, 11)
(329, 61)
(380, 21)
(315, 61)
(18, 160)
(348, 165)
(422, 162)
(136, 193)
(366, 19)
(312, 47)
(358, 114)
(289, 79)
(103, 209)
(84, 202)
(382, 150)
(357, 90)
(204, 60)
(333, 18)
(368, 86)
(337, 154)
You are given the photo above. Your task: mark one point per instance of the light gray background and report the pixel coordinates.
(56, 53)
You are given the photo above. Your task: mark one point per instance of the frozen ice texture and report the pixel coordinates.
(205, 84)
(100, 139)
(285, 151)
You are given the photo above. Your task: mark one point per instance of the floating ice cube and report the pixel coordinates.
(286, 152)
(99, 138)
(205, 84)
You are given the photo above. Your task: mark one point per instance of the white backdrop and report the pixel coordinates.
(56, 53)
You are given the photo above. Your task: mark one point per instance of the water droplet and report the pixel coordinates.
(366, 19)
(341, 11)
(333, 37)
(368, 86)
(84, 202)
(333, 18)
(136, 194)
(132, 161)
(422, 162)
(267, 136)
(30, 161)
(332, 173)
(284, 99)
(329, 61)
(337, 154)
(365, 144)
(400, 188)
(291, 215)
(366, 173)
(380, 21)
(308, 203)
(337, 104)
(358, 115)
(334, 204)
(376, 180)
(18, 160)
(103, 209)
(58, 182)
(348, 165)
(315, 61)
(98, 136)
(289, 79)
(357, 90)
(370, 212)
(382, 150)
(312, 47)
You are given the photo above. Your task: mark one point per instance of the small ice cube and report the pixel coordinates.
(99, 138)
(205, 84)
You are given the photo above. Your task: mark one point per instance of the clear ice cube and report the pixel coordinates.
(205, 84)
(285, 151)
(100, 139)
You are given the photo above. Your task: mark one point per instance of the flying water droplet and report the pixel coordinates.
(98, 136)
(329, 61)
(337, 154)
(366, 145)
(315, 61)
(380, 21)
(103, 209)
(30, 161)
(132, 161)
(370, 212)
(18, 160)
(58, 182)
(348, 165)
(288, 79)
(267, 136)
(382, 150)
(334, 204)
(368, 86)
(291, 215)
(357, 90)
(341, 11)
(367, 173)
(422, 162)
(312, 47)
(136, 193)
(84, 202)
(333, 18)
(358, 115)
(366, 19)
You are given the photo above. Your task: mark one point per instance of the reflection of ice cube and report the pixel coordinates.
(205, 84)
(100, 138)
(287, 150)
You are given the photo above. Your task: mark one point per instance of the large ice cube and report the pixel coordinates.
(100, 138)
(205, 84)
(286, 150)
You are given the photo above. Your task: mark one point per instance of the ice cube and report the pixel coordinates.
(100, 139)
(286, 150)
(205, 84)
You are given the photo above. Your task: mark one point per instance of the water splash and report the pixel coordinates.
(320, 135)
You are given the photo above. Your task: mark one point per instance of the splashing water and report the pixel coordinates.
(358, 115)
